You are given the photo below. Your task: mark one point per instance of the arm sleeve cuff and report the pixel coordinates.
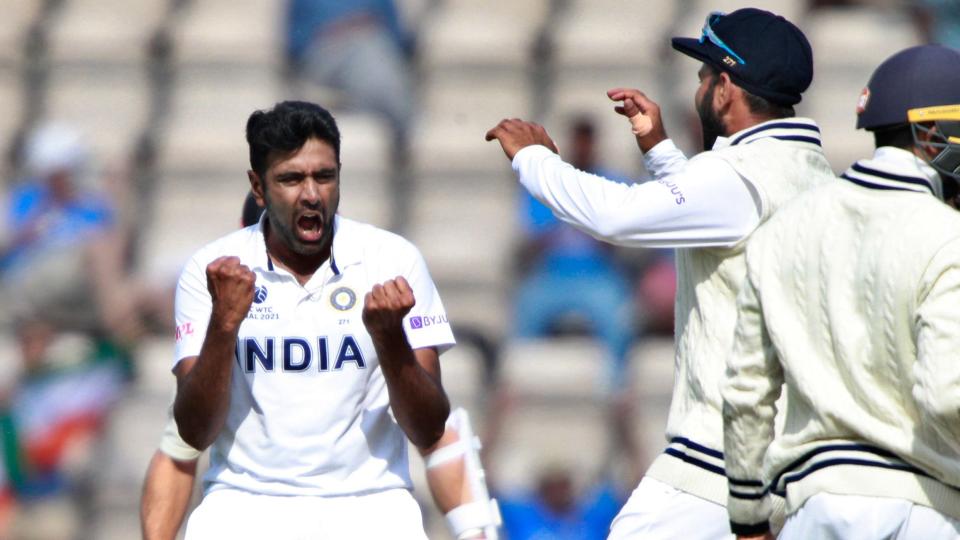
(741, 529)
(526, 153)
(663, 147)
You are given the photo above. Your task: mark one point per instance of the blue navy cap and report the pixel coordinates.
(922, 76)
(763, 53)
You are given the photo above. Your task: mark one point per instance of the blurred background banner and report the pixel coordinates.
(123, 151)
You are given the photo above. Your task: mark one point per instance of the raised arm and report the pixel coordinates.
(706, 203)
(413, 376)
(203, 381)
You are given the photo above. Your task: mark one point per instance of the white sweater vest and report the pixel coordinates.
(853, 302)
(778, 160)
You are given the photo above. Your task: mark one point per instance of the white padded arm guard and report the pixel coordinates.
(481, 517)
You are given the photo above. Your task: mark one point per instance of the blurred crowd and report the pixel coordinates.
(77, 305)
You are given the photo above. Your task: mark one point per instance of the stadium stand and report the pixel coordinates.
(166, 86)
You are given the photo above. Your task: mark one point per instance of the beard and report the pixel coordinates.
(282, 227)
(711, 125)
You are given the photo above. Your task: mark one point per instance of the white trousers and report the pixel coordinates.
(658, 511)
(826, 516)
(240, 515)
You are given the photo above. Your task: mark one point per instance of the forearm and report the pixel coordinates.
(203, 392)
(166, 496)
(418, 401)
(448, 483)
(681, 210)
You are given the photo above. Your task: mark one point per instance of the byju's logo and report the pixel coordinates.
(427, 320)
(259, 294)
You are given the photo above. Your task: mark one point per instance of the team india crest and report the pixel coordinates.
(343, 298)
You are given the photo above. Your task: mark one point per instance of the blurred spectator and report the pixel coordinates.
(565, 273)
(64, 257)
(556, 509)
(358, 47)
(656, 291)
(938, 21)
(51, 420)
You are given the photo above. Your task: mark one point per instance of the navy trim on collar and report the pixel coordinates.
(866, 174)
(871, 185)
(797, 138)
(923, 182)
(783, 125)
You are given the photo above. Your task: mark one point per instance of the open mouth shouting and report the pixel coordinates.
(310, 226)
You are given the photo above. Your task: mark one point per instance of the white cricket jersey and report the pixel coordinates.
(309, 411)
(689, 203)
(852, 304)
(706, 206)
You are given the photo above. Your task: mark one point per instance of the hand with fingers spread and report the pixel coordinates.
(644, 116)
(231, 287)
(515, 134)
(385, 306)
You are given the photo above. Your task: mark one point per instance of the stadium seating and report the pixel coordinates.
(186, 74)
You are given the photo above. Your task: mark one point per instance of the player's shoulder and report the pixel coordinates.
(809, 202)
(925, 216)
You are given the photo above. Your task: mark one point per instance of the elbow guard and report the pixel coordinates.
(479, 517)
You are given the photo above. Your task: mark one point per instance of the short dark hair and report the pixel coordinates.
(897, 135)
(756, 104)
(285, 128)
(764, 107)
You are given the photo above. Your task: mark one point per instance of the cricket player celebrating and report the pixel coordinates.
(852, 303)
(755, 67)
(307, 348)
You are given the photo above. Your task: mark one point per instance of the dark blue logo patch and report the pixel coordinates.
(259, 294)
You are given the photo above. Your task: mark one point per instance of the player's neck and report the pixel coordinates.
(301, 266)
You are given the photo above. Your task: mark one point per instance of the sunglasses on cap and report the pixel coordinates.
(708, 33)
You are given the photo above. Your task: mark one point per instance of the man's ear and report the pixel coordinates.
(256, 186)
(725, 92)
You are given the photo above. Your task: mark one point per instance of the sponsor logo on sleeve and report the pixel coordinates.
(425, 321)
(185, 329)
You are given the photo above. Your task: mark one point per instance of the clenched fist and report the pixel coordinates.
(515, 134)
(385, 306)
(231, 287)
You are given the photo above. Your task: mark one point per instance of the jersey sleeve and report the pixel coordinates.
(754, 380)
(664, 159)
(192, 307)
(426, 325)
(936, 385)
(704, 203)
